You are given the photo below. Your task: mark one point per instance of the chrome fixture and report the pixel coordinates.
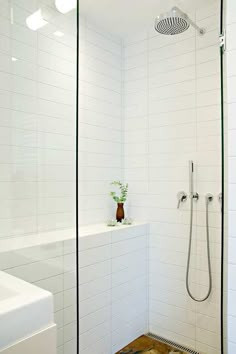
(208, 199)
(195, 196)
(220, 197)
(192, 195)
(222, 40)
(182, 197)
(175, 22)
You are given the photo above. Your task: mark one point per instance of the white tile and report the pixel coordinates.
(39, 270)
(95, 271)
(175, 49)
(231, 37)
(231, 347)
(95, 303)
(70, 347)
(230, 14)
(232, 278)
(128, 246)
(231, 328)
(94, 319)
(89, 338)
(95, 287)
(94, 241)
(175, 326)
(101, 346)
(92, 256)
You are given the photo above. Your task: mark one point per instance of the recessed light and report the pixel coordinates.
(65, 6)
(36, 20)
(14, 59)
(58, 34)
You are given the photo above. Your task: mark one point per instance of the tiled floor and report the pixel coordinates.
(146, 345)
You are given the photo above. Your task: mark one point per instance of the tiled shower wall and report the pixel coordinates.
(231, 107)
(100, 123)
(172, 115)
(113, 288)
(37, 154)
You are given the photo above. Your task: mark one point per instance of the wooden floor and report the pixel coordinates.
(146, 345)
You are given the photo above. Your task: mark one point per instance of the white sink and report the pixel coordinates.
(25, 310)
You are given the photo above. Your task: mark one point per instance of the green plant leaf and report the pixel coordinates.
(123, 192)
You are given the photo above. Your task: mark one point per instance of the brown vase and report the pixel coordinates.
(120, 214)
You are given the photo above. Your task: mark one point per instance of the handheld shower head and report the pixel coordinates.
(175, 22)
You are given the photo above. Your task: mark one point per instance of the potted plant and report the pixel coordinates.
(120, 200)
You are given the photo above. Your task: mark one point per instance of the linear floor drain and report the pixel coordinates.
(171, 343)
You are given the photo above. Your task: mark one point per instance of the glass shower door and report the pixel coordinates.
(38, 152)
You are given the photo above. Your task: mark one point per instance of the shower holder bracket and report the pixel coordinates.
(195, 196)
(222, 40)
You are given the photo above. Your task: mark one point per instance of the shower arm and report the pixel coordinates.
(200, 30)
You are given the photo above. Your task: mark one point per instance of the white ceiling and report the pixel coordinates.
(127, 16)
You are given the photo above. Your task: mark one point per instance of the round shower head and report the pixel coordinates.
(171, 23)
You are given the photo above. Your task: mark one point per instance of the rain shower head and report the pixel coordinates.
(175, 22)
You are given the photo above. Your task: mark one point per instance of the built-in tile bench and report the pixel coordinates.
(113, 286)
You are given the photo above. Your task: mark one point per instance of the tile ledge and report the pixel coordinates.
(94, 229)
(37, 239)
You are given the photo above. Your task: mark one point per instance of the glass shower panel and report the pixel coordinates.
(38, 153)
(172, 94)
(149, 104)
(184, 96)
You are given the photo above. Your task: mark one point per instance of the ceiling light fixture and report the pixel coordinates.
(65, 6)
(36, 20)
(14, 59)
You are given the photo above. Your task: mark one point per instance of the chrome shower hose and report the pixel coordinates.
(208, 251)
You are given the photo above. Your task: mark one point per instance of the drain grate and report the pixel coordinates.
(172, 344)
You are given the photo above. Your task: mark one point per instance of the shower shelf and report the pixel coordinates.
(103, 228)
(100, 234)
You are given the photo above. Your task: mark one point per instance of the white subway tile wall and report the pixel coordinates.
(172, 115)
(37, 155)
(113, 289)
(231, 110)
(100, 123)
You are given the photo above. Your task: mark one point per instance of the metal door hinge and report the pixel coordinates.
(222, 40)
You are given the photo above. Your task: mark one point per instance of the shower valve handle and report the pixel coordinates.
(182, 197)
